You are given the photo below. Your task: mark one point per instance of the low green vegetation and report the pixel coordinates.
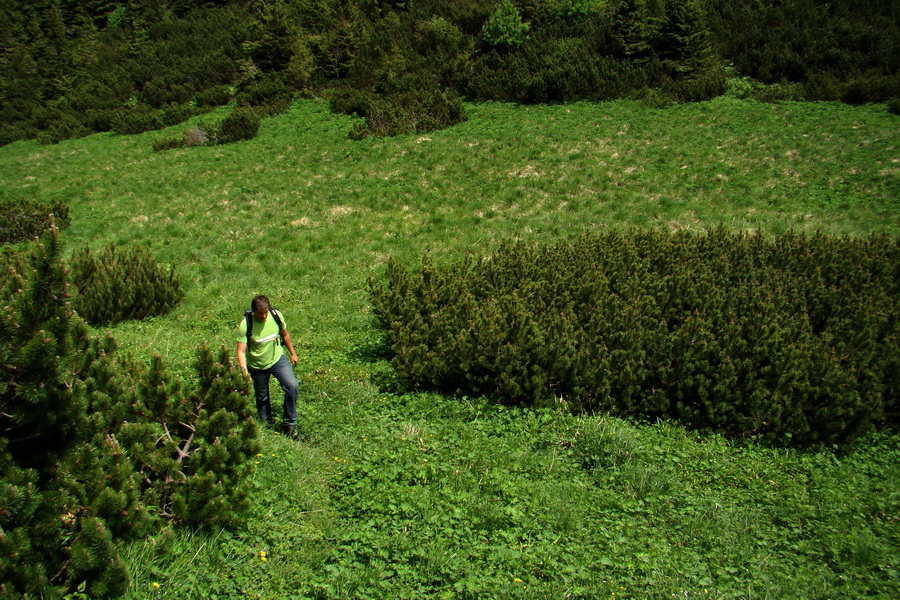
(391, 492)
(116, 284)
(70, 69)
(96, 448)
(795, 339)
(427, 496)
(22, 219)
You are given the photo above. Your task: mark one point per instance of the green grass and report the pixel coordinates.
(425, 496)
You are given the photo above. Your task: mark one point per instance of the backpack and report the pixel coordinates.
(248, 316)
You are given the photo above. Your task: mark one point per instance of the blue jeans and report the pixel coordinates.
(284, 373)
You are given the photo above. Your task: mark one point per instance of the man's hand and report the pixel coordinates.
(286, 338)
(242, 358)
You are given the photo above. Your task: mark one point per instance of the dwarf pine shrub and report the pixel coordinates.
(26, 219)
(96, 448)
(792, 338)
(135, 119)
(894, 106)
(241, 124)
(44, 538)
(268, 95)
(216, 96)
(116, 284)
(189, 442)
(168, 143)
(409, 111)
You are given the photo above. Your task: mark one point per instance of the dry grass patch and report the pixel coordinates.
(341, 210)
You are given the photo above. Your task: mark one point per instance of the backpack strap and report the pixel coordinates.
(248, 317)
(278, 322)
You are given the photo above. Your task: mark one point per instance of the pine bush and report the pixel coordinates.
(409, 109)
(188, 445)
(66, 126)
(177, 113)
(48, 538)
(894, 106)
(795, 339)
(448, 52)
(216, 96)
(134, 120)
(116, 284)
(96, 448)
(697, 87)
(168, 143)
(241, 124)
(269, 95)
(26, 219)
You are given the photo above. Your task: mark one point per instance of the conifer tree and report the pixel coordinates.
(505, 28)
(115, 284)
(55, 516)
(269, 46)
(685, 39)
(90, 439)
(637, 27)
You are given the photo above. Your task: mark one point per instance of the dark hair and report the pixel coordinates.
(260, 303)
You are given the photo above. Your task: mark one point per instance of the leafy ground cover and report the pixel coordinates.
(393, 494)
(427, 498)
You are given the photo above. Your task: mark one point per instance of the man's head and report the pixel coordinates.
(260, 307)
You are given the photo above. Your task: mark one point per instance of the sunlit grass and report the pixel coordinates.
(510, 504)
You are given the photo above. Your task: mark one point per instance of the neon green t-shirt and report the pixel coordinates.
(264, 348)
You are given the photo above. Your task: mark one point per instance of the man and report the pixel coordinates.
(268, 331)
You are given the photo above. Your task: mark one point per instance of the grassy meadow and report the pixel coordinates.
(395, 494)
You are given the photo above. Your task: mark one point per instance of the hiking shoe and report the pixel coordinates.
(289, 430)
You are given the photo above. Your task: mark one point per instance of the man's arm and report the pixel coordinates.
(242, 357)
(289, 345)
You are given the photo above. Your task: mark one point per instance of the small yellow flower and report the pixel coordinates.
(154, 584)
(517, 580)
(262, 555)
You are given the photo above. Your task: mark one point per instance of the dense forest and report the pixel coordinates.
(69, 68)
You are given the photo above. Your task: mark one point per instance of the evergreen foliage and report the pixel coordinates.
(116, 284)
(505, 28)
(408, 109)
(267, 95)
(894, 106)
(795, 339)
(96, 448)
(69, 70)
(824, 47)
(240, 124)
(25, 219)
(54, 522)
(189, 445)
